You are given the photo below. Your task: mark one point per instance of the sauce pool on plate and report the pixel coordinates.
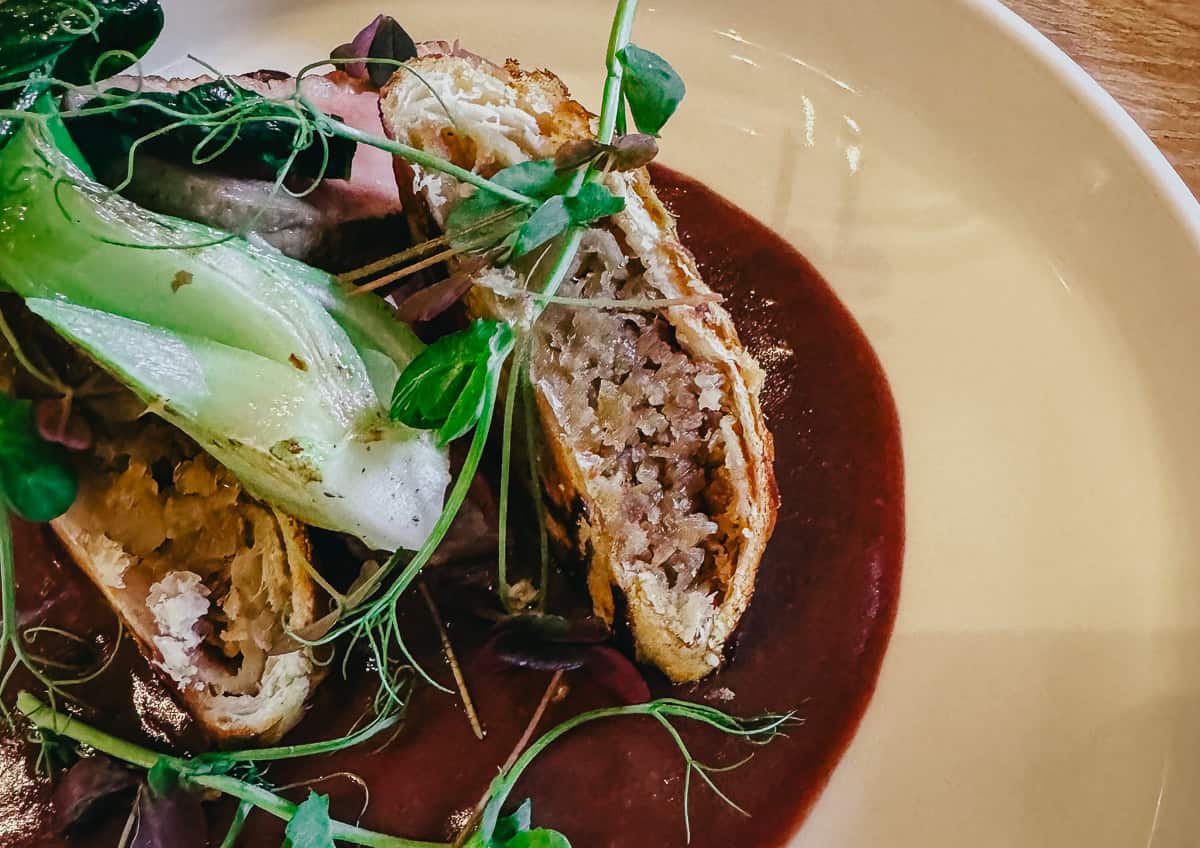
(813, 639)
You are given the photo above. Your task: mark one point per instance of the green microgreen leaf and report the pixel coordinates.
(36, 478)
(652, 88)
(514, 831)
(311, 826)
(446, 387)
(539, 178)
(593, 202)
(519, 822)
(163, 778)
(540, 838)
(467, 224)
(550, 220)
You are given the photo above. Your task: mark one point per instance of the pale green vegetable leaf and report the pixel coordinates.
(267, 363)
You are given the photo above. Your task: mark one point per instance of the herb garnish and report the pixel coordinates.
(538, 181)
(452, 388)
(494, 831)
(447, 386)
(36, 478)
(80, 41)
(311, 826)
(382, 39)
(652, 88)
(626, 153)
(84, 40)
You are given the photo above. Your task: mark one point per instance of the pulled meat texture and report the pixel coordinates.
(650, 427)
(319, 227)
(179, 532)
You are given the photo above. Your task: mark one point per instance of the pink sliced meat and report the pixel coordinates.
(324, 227)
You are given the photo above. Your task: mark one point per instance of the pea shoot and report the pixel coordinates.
(36, 478)
(309, 823)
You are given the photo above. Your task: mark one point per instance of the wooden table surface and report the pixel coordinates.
(1146, 53)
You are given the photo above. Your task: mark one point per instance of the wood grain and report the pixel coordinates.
(1146, 53)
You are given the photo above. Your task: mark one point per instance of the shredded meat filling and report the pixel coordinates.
(649, 421)
(174, 518)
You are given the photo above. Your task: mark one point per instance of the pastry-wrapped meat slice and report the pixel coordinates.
(207, 579)
(658, 460)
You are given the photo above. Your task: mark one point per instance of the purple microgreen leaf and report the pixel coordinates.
(630, 152)
(175, 820)
(432, 301)
(89, 781)
(576, 154)
(358, 48)
(346, 51)
(389, 42)
(546, 642)
(56, 423)
(555, 628)
(616, 672)
(539, 656)
(552, 643)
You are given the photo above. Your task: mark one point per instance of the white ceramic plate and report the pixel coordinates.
(1028, 267)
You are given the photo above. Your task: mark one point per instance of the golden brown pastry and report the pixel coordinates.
(658, 468)
(206, 578)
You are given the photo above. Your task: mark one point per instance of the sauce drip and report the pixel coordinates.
(813, 639)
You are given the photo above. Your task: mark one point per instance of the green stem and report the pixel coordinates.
(504, 782)
(510, 401)
(310, 749)
(458, 495)
(235, 826)
(418, 157)
(618, 40)
(535, 476)
(59, 724)
(64, 725)
(8, 589)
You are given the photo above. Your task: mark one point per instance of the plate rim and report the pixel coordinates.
(1135, 140)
